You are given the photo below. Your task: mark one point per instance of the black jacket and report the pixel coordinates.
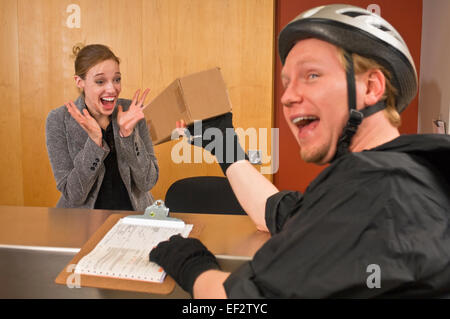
(372, 224)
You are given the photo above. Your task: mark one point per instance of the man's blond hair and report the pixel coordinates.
(363, 64)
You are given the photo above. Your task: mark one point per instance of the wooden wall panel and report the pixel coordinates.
(156, 40)
(182, 37)
(41, 85)
(11, 191)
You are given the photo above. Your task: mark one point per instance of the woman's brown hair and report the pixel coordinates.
(90, 55)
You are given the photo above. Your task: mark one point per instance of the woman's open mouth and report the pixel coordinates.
(108, 103)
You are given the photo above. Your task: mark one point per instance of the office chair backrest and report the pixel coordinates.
(203, 194)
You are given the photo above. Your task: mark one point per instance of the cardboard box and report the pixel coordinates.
(198, 96)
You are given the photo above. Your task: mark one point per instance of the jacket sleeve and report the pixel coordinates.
(240, 284)
(281, 206)
(75, 176)
(138, 153)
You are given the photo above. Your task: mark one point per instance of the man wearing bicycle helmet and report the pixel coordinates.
(375, 222)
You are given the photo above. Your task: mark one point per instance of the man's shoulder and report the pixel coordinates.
(368, 162)
(377, 161)
(372, 168)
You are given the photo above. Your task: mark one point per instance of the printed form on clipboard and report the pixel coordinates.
(124, 250)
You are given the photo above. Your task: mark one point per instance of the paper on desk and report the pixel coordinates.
(124, 251)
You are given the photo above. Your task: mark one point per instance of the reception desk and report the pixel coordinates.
(36, 243)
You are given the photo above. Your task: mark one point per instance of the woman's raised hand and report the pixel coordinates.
(128, 120)
(87, 122)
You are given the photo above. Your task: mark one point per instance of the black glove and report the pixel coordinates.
(220, 139)
(184, 259)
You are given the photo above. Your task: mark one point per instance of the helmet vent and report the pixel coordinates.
(382, 28)
(354, 14)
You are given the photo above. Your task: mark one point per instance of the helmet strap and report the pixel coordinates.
(355, 116)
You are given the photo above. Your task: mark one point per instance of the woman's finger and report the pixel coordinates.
(86, 114)
(69, 107)
(72, 106)
(73, 111)
(85, 127)
(144, 95)
(135, 97)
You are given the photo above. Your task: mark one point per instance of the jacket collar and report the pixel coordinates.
(79, 102)
(417, 143)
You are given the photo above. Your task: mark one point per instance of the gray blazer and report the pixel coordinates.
(77, 162)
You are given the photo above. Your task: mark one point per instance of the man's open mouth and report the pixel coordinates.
(303, 121)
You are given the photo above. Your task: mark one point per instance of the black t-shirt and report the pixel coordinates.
(113, 193)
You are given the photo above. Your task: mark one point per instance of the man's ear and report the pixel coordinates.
(79, 82)
(375, 86)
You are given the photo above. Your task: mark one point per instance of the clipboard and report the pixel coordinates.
(67, 276)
